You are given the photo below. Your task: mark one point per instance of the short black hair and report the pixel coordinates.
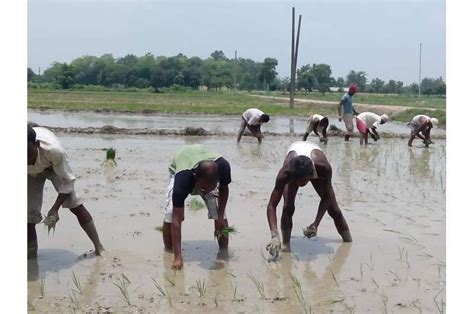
(301, 167)
(206, 172)
(265, 117)
(324, 121)
(31, 135)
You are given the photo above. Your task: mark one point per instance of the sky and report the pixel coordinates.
(380, 37)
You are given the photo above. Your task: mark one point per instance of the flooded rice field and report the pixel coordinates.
(212, 123)
(392, 196)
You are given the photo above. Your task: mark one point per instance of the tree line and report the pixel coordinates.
(214, 73)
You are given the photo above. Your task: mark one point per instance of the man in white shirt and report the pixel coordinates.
(253, 118)
(367, 122)
(47, 159)
(317, 123)
(422, 124)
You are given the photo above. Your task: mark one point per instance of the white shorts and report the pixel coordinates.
(35, 195)
(210, 199)
(347, 118)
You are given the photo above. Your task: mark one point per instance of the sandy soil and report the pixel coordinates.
(393, 197)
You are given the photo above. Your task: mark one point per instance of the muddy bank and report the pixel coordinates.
(192, 131)
(392, 196)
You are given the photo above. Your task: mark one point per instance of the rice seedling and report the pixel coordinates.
(375, 282)
(439, 307)
(162, 290)
(215, 302)
(110, 158)
(396, 275)
(76, 283)
(299, 293)
(226, 232)
(171, 281)
(196, 204)
(122, 285)
(334, 277)
(333, 127)
(234, 291)
(75, 302)
(259, 285)
(159, 228)
(50, 221)
(42, 282)
(201, 287)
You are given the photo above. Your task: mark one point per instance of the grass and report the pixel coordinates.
(201, 287)
(76, 283)
(163, 291)
(259, 285)
(122, 285)
(173, 102)
(372, 98)
(226, 232)
(196, 204)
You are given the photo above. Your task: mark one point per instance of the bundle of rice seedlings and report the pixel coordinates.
(110, 158)
(309, 232)
(50, 221)
(226, 232)
(196, 204)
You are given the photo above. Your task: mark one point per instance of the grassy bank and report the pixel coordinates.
(375, 99)
(176, 102)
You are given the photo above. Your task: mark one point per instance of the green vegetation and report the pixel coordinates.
(173, 102)
(404, 100)
(407, 115)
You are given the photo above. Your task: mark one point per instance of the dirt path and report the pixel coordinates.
(378, 109)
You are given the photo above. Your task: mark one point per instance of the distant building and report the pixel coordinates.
(339, 89)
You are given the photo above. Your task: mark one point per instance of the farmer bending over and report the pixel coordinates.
(253, 118)
(47, 159)
(422, 124)
(367, 122)
(304, 162)
(195, 170)
(317, 123)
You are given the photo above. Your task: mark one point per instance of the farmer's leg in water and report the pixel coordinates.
(289, 195)
(87, 224)
(255, 129)
(328, 203)
(216, 208)
(32, 241)
(167, 239)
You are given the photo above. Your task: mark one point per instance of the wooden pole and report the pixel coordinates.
(292, 82)
(295, 59)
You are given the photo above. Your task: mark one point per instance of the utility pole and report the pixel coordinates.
(294, 56)
(235, 71)
(419, 75)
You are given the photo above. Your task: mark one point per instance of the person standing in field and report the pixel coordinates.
(422, 124)
(348, 111)
(195, 170)
(317, 123)
(253, 118)
(304, 162)
(367, 122)
(47, 160)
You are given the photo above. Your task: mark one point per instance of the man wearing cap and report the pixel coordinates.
(317, 122)
(349, 111)
(47, 160)
(195, 170)
(304, 162)
(422, 124)
(367, 122)
(253, 118)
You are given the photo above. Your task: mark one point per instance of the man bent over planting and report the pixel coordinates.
(304, 162)
(422, 124)
(47, 159)
(195, 170)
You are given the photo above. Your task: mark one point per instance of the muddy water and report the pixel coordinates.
(214, 123)
(392, 196)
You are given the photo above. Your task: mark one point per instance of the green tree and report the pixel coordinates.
(377, 85)
(65, 77)
(267, 72)
(218, 55)
(360, 78)
(31, 75)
